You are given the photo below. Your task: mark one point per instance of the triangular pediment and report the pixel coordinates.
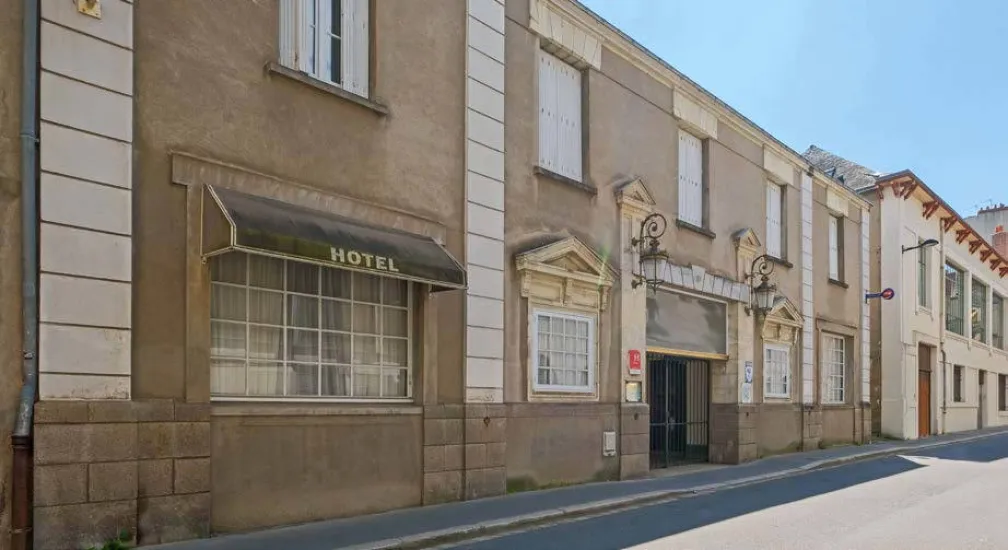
(569, 257)
(635, 194)
(785, 313)
(746, 238)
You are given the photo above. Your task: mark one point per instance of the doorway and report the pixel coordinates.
(981, 398)
(923, 390)
(679, 399)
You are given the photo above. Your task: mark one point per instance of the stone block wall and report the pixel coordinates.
(634, 444)
(444, 451)
(464, 452)
(485, 450)
(812, 433)
(102, 467)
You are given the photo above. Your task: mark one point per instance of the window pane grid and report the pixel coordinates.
(997, 321)
(978, 311)
(954, 300)
(833, 369)
(777, 367)
(357, 349)
(563, 352)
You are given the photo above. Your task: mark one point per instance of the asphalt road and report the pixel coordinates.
(952, 497)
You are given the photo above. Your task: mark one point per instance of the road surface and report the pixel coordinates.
(952, 497)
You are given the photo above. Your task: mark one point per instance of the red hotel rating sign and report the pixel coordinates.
(635, 362)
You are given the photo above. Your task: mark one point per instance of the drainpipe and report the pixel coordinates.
(21, 438)
(941, 332)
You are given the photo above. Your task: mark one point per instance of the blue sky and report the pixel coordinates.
(890, 84)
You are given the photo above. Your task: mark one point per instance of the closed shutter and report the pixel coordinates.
(834, 248)
(690, 179)
(548, 126)
(559, 117)
(773, 213)
(289, 19)
(356, 46)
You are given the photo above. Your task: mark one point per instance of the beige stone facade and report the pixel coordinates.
(193, 406)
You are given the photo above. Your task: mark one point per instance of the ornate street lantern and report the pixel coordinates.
(652, 261)
(761, 297)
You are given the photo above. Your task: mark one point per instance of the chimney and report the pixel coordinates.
(1000, 241)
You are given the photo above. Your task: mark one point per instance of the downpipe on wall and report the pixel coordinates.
(21, 437)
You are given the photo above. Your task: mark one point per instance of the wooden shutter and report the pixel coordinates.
(690, 179)
(356, 46)
(559, 117)
(834, 248)
(773, 215)
(290, 18)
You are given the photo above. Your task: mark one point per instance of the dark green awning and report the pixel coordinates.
(234, 221)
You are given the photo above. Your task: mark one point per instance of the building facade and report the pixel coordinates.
(291, 271)
(939, 359)
(987, 221)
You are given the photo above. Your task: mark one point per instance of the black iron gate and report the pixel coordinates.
(679, 398)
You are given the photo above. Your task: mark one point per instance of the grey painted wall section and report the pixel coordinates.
(484, 364)
(86, 106)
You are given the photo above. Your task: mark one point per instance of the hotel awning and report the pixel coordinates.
(234, 221)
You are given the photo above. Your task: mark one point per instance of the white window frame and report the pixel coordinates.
(306, 35)
(836, 247)
(828, 368)
(561, 118)
(285, 361)
(775, 224)
(923, 277)
(691, 184)
(771, 370)
(592, 321)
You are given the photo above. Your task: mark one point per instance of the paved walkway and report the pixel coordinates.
(382, 530)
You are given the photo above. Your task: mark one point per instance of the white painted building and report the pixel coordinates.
(939, 359)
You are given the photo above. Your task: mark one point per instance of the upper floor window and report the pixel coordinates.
(328, 40)
(559, 117)
(280, 328)
(836, 248)
(923, 277)
(691, 186)
(997, 321)
(955, 304)
(978, 311)
(776, 244)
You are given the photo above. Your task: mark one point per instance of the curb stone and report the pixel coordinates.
(498, 526)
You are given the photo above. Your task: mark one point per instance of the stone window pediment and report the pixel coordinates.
(566, 274)
(783, 323)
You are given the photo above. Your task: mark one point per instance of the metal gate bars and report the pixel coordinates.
(679, 398)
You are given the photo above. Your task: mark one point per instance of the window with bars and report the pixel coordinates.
(997, 321)
(923, 277)
(559, 116)
(836, 248)
(776, 371)
(834, 369)
(958, 383)
(563, 352)
(328, 40)
(281, 328)
(955, 305)
(691, 187)
(776, 238)
(978, 311)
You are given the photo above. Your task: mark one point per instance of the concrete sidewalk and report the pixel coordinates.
(423, 526)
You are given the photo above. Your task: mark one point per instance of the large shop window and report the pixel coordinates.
(563, 352)
(978, 311)
(955, 303)
(691, 191)
(281, 328)
(834, 369)
(997, 321)
(776, 371)
(327, 40)
(559, 116)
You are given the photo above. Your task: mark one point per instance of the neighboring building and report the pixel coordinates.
(939, 355)
(272, 273)
(987, 220)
